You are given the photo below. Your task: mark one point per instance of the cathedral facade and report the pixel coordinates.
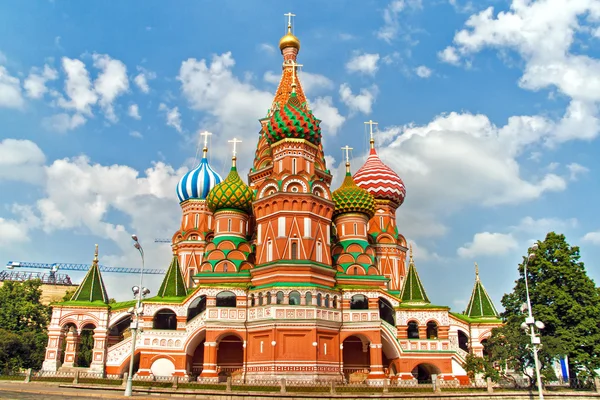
(281, 276)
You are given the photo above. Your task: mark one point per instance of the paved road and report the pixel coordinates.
(33, 391)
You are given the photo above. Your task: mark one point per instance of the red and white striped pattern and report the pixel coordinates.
(380, 180)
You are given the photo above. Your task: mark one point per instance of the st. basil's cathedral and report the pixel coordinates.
(281, 277)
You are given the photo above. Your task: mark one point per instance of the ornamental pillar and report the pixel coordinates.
(99, 350)
(54, 350)
(71, 348)
(209, 369)
(376, 371)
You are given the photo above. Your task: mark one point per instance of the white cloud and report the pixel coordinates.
(365, 63)
(331, 119)
(576, 170)
(111, 83)
(266, 47)
(592, 237)
(21, 160)
(14, 231)
(10, 90)
(362, 101)
(272, 77)
(78, 87)
(449, 55)
(423, 72)
(142, 78)
(486, 243)
(314, 84)
(541, 226)
(391, 26)
(63, 122)
(136, 134)
(173, 116)
(35, 84)
(134, 111)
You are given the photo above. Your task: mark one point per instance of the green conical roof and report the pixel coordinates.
(351, 198)
(172, 285)
(480, 305)
(412, 290)
(92, 287)
(232, 193)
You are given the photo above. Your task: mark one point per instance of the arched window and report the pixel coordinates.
(319, 252)
(268, 296)
(260, 299)
(269, 251)
(484, 343)
(463, 341)
(294, 298)
(386, 311)
(308, 298)
(432, 330)
(294, 250)
(280, 297)
(413, 330)
(355, 271)
(355, 228)
(164, 319)
(252, 300)
(319, 299)
(229, 225)
(196, 307)
(293, 165)
(226, 299)
(359, 302)
(334, 305)
(327, 301)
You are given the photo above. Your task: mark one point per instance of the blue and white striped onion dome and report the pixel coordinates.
(198, 182)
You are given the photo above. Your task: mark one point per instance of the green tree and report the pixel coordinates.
(565, 299)
(474, 366)
(23, 319)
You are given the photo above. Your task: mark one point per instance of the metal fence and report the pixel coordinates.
(82, 379)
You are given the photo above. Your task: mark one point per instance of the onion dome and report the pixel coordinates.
(289, 40)
(380, 180)
(351, 198)
(293, 121)
(231, 194)
(197, 183)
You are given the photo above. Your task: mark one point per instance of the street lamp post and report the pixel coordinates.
(530, 325)
(139, 292)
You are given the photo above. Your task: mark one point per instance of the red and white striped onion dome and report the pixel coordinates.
(380, 180)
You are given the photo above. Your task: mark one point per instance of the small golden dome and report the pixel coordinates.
(289, 40)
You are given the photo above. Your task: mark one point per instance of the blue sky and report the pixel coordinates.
(488, 110)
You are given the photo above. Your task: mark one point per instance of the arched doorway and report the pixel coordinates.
(119, 331)
(423, 372)
(230, 356)
(386, 311)
(85, 346)
(164, 319)
(195, 353)
(356, 356)
(463, 341)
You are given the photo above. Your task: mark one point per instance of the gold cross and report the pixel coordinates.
(371, 123)
(294, 69)
(235, 141)
(347, 149)
(289, 15)
(206, 134)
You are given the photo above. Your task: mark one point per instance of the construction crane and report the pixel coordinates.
(50, 278)
(162, 240)
(53, 267)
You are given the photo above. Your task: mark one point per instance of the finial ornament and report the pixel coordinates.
(289, 15)
(371, 123)
(347, 150)
(235, 141)
(96, 256)
(206, 134)
(295, 67)
(476, 271)
(410, 254)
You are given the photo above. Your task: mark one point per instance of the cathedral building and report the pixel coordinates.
(281, 275)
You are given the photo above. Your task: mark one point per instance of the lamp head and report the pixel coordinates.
(137, 245)
(524, 326)
(531, 256)
(540, 325)
(534, 247)
(134, 237)
(524, 307)
(135, 290)
(145, 291)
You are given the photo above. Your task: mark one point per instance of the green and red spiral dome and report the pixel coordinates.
(293, 121)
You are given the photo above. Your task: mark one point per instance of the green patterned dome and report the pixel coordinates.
(294, 121)
(351, 198)
(231, 194)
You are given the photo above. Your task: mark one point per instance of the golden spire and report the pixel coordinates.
(289, 40)
(206, 134)
(410, 255)
(235, 141)
(96, 256)
(476, 272)
(347, 149)
(372, 140)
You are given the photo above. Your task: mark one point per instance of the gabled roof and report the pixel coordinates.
(412, 290)
(172, 285)
(92, 287)
(480, 305)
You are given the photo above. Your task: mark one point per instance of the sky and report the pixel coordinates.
(487, 109)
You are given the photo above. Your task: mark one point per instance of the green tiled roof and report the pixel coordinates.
(351, 198)
(412, 290)
(172, 285)
(92, 287)
(480, 305)
(232, 194)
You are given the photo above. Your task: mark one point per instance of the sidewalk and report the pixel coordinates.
(53, 390)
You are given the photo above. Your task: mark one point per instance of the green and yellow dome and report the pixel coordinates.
(232, 194)
(351, 198)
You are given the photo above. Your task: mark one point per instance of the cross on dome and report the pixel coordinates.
(235, 141)
(295, 66)
(206, 134)
(347, 150)
(371, 123)
(410, 254)
(289, 15)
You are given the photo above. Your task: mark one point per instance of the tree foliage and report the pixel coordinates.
(565, 299)
(23, 322)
